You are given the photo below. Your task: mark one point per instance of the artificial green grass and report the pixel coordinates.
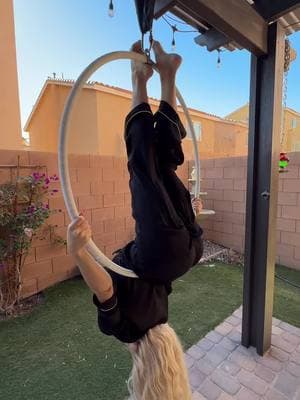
(57, 352)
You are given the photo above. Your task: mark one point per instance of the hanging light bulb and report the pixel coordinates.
(111, 10)
(219, 59)
(174, 29)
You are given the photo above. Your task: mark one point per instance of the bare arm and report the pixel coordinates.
(98, 280)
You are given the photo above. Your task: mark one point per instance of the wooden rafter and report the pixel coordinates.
(274, 9)
(236, 19)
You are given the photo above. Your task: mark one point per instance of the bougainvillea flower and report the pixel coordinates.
(28, 232)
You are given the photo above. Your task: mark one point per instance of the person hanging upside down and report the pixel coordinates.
(168, 241)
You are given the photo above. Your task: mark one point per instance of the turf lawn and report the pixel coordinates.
(57, 352)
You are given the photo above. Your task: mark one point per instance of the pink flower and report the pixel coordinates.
(28, 232)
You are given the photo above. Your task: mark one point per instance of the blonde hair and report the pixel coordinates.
(159, 371)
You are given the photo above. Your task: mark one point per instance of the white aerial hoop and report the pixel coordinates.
(64, 131)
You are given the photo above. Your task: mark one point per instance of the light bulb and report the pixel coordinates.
(173, 45)
(111, 11)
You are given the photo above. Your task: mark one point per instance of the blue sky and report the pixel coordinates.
(63, 36)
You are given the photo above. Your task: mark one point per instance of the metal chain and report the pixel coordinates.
(287, 62)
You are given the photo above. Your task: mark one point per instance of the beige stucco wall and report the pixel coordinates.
(44, 126)
(290, 136)
(98, 122)
(10, 134)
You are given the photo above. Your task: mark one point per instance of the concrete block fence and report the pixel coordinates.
(100, 186)
(225, 180)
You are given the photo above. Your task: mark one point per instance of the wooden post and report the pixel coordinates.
(262, 191)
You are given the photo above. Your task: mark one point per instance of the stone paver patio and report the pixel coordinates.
(221, 369)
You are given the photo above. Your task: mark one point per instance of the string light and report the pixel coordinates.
(111, 10)
(219, 59)
(174, 29)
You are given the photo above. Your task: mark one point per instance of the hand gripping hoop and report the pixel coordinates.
(64, 132)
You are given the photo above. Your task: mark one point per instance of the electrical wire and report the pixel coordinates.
(174, 27)
(176, 20)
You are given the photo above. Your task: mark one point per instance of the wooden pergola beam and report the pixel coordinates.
(236, 19)
(271, 10)
(162, 6)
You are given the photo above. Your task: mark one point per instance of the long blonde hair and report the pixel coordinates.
(159, 371)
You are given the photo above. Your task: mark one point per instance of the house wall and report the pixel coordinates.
(44, 128)
(99, 117)
(10, 135)
(290, 137)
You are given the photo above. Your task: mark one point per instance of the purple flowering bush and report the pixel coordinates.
(24, 210)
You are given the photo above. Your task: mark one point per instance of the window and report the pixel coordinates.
(197, 128)
(294, 123)
(296, 146)
(26, 138)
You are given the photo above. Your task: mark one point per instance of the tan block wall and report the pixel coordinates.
(225, 181)
(100, 187)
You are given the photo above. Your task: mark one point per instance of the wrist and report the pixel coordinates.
(78, 253)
